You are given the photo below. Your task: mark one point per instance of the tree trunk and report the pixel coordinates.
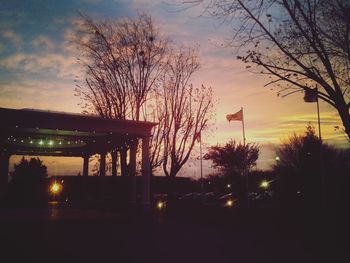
(172, 189)
(343, 111)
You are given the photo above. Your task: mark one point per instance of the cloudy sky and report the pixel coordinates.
(38, 65)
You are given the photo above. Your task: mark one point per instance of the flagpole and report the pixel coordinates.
(243, 126)
(239, 116)
(311, 95)
(322, 174)
(244, 171)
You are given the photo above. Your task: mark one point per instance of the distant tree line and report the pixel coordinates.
(234, 162)
(32, 169)
(308, 173)
(28, 186)
(309, 167)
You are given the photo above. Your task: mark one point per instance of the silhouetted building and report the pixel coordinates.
(48, 133)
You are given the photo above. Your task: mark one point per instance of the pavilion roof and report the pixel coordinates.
(39, 132)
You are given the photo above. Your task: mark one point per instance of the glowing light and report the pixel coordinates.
(265, 184)
(160, 205)
(50, 143)
(277, 158)
(60, 143)
(228, 185)
(55, 188)
(31, 142)
(229, 203)
(41, 142)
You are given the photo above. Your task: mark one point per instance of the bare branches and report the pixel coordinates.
(299, 43)
(122, 60)
(131, 73)
(186, 110)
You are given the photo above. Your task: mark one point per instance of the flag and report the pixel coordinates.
(238, 116)
(310, 95)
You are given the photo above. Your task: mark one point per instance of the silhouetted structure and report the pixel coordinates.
(48, 133)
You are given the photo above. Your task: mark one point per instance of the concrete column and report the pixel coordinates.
(146, 171)
(4, 171)
(86, 165)
(102, 164)
(123, 164)
(132, 171)
(114, 155)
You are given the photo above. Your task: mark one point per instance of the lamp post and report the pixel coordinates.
(201, 163)
(311, 95)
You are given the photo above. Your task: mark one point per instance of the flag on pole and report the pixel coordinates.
(238, 116)
(310, 95)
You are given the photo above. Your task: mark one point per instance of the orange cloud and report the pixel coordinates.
(12, 36)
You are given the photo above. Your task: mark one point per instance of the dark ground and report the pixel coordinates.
(176, 235)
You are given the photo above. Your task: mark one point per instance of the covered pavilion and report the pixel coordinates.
(48, 133)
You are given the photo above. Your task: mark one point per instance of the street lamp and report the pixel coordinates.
(160, 205)
(229, 203)
(201, 160)
(55, 188)
(265, 184)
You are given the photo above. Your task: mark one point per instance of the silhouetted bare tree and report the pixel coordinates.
(131, 73)
(122, 61)
(186, 110)
(156, 114)
(299, 44)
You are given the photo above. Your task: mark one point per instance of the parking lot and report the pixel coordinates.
(176, 235)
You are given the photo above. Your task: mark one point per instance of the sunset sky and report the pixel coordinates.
(38, 65)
